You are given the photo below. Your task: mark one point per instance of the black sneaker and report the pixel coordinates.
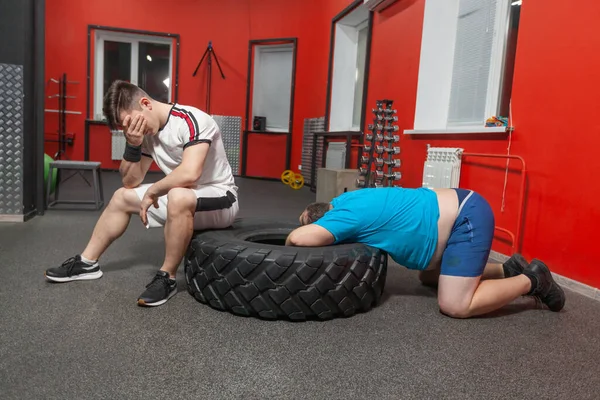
(515, 265)
(157, 292)
(73, 269)
(546, 289)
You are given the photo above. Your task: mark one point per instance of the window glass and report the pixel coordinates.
(153, 70)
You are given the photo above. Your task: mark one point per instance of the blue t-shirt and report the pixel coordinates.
(400, 221)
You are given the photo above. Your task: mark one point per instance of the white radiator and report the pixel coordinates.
(117, 145)
(442, 167)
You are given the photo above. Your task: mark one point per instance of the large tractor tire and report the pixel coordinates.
(248, 270)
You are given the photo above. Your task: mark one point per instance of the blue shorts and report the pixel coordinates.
(470, 241)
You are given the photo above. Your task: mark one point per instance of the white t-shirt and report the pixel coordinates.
(187, 126)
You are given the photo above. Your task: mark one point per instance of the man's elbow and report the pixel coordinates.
(130, 183)
(189, 179)
(293, 239)
(304, 240)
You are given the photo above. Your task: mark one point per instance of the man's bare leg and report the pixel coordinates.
(493, 271)
(181, 206)
(112, 223)
(463, 297)
(179, 227)
(430, 277)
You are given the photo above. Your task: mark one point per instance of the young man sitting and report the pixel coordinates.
(446, 234)
(198, 191)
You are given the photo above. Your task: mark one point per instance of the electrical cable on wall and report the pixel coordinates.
(510, 129)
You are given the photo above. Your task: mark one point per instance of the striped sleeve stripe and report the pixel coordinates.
(189, 119)
(197, 135)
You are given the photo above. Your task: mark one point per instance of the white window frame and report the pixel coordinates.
(100, 37)
(436, 64)
(345, 57)
(260, 49)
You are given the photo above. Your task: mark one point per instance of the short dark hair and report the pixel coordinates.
(314, 211)
(120, 96)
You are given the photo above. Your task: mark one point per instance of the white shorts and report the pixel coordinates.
(217, 208)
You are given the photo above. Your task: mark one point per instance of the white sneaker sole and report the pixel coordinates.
(158, 303)
(81, 277)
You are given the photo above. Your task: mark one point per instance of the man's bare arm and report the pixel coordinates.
(310, 236)
(186, 174)
(133, 173)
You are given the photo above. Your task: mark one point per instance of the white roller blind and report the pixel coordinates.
(273, 85)
(475, 35)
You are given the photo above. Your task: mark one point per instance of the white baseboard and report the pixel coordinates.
(567, 283)
(12, 218)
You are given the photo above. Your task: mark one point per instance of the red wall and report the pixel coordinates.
(66, 41)
(553, 105)
(230, 24)
(278, 19)
(553, 99)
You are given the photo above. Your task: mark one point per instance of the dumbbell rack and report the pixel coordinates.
(377, 163)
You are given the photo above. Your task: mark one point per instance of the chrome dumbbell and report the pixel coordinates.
(367, 148)
(362, 171)
(390, 118)
(379, 149)
(378, 174)
(394, 163)
(390, 111)
(396, 176)
(378, 137)
(393, 150)
(378, 162)
(364, 160)
(393, 138)
(360, 183)
(392, 128)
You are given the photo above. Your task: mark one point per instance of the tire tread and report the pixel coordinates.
(284, 283)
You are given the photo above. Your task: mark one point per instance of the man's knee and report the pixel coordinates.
(181, 200)
(125, 199)
(454, 310)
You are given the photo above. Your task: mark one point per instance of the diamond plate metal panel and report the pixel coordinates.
(311, 125)
(11, 139)
(231, 131)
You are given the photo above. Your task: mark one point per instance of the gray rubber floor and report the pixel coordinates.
(89, 340)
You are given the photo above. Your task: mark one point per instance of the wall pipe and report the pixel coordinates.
(515, 238)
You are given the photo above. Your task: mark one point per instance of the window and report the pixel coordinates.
(272, 85)
(144, 60)
(349, 65)
(360, 75)
(467, 59)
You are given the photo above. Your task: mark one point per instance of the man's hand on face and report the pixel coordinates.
(134, 129)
